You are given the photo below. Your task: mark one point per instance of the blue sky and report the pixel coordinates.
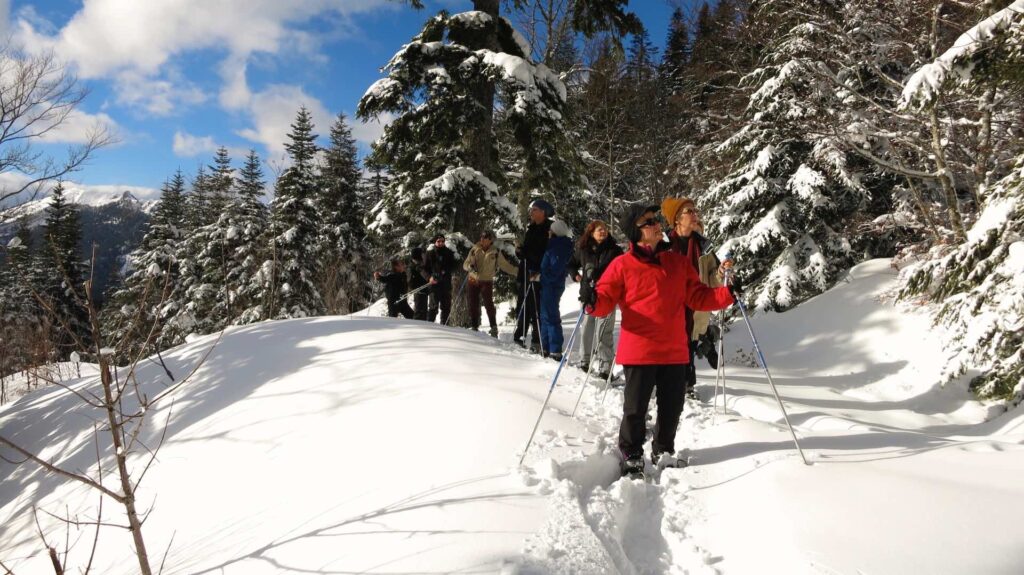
(175, 79)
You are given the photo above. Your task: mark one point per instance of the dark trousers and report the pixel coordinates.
(400, 307)
(475, 292)
(442, 292)
(641, 382)
(690, 379)
(531, 317)
(419, 300)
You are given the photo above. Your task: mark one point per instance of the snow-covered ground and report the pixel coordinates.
(364, 444)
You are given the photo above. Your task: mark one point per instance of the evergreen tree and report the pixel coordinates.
(677, 55)
(205, 256)
(345, 266)
(21, 317)
(63, 290)
(221, 181)
(285, 286)
(246, 239)
(978, 282)
(781, 210)
(139, 317)
(197, 203)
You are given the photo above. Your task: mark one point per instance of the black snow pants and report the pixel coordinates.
(641, 382)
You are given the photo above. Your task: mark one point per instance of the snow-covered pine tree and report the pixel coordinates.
(64, 288)
(672, 69)
(245, 240)
(344, 272)
(197, 202)
(979, 283)
(221, 182)
(285, 286)
(22, 320)
(205, 256)
(603, 103)
(781, 211)
(141, 310)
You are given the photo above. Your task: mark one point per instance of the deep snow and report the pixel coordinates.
(365, 444)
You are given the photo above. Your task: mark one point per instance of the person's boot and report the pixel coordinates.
(632, 467)
(494, 331)
(555, 356)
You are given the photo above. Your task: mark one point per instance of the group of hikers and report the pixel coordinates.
(664, 289)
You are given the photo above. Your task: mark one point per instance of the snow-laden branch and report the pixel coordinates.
(923, 86)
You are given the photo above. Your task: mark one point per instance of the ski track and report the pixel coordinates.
(598, 523)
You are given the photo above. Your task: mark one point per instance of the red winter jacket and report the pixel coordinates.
(653, 292)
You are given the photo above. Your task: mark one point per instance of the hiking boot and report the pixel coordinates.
(555, 356)
(633, 466)
(519, 341)
(601, 375)
(493, 331)
(691, 392)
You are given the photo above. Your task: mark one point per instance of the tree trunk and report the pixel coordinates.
(480, 138)
(952, 205)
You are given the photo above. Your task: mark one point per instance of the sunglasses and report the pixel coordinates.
(648, 222)
(693, 211)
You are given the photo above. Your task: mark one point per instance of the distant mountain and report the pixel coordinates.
(114, 222)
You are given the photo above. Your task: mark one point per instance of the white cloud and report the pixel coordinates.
(188, 146)
(156, 96)
(273, 111)
(369, 132)
(135, 42)
(78, 127)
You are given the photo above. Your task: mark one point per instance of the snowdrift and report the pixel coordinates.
(365, 444)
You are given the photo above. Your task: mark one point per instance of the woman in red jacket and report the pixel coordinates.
(652, 286)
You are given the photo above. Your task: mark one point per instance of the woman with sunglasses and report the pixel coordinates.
(652, 286)
(686, 239)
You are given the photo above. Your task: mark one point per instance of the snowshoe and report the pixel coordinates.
(668, 461)
(633, 467)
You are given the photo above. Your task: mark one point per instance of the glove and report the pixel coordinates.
(735, 287)
(588, 296)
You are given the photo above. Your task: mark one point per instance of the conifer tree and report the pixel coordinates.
(676, 56)
(345, 266)
(246, 239)
(781, 209)
(148, 302)
(285, 286)
(978, 282)
(63, 290)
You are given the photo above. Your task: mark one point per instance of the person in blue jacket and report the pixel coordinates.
(553, 268)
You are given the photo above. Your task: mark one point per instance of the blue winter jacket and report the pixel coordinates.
(553, 268)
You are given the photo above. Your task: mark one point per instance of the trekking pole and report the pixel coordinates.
(554, 380)
(764, 365)
(457, 298)
(590, 368)
(411, 292)
(536, 317)
(720, 369)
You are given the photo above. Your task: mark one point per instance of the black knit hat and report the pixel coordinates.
(542, 205)
(627, 221)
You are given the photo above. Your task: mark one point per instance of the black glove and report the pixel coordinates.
(588, 296)
(735, 287)
(706, 344)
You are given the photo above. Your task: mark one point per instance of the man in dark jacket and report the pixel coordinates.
(395, 287)
(530, 254)
(418, 277)
(440, 264)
